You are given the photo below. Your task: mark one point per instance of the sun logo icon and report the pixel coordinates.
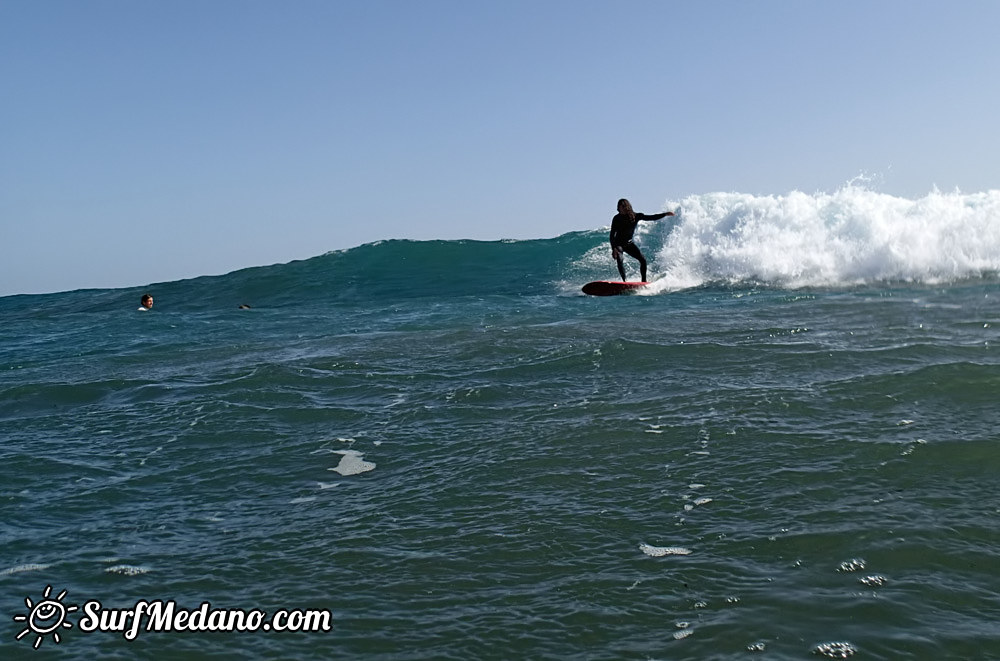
(45, 617)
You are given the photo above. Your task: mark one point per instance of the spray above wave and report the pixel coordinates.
(850, 237)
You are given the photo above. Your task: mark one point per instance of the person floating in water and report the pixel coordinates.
(145, 303)
(622, 228)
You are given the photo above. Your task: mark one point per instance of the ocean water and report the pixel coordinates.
(786, 449)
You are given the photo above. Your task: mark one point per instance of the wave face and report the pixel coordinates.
(401, 269)
(850, 237)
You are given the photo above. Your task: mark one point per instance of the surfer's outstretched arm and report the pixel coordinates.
(655, 216)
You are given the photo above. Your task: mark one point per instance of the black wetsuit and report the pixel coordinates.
(622, 230)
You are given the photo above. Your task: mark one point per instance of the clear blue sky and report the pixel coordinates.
(144, 141)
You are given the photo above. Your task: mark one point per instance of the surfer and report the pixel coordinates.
(145, 303)
(622, 229)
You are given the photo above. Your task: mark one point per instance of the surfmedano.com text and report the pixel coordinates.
(158, 616)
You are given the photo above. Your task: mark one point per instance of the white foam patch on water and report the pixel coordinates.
(851, 236)
(854, 564)
(873, 581)
(18, 569)
(660, 551)
(127, 570)
(835, 650)
(351, 463)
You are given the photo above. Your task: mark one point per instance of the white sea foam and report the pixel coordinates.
(127, 570)
(23, 568)
(852, 236)
(351, 463)
(873, 581)
(854, 564)
(660, 551)
(835, 650)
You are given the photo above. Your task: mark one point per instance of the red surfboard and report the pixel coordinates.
(612, 288)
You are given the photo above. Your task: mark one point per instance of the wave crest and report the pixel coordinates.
(853, 236)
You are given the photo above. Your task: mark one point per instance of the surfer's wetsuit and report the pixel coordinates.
(622, 230)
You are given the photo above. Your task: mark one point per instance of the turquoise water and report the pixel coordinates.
(738, 467)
